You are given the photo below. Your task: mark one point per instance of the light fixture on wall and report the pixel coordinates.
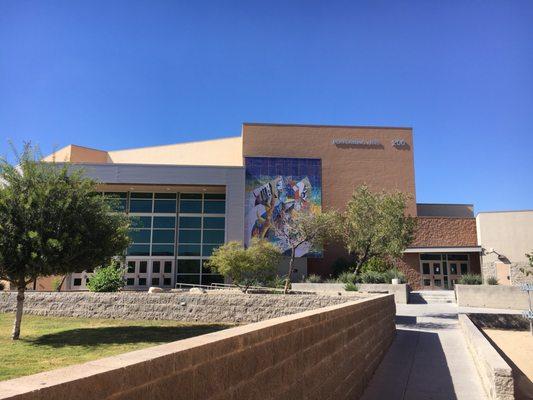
(491, 250)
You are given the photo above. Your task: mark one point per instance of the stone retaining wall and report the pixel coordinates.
(329, 353)
(496, 374)
(400, 291)
(491, 296)
(214, 306)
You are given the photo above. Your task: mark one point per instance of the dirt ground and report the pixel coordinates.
(518, 347)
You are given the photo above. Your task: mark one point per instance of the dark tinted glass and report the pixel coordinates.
(143, 267)
(163, 236)
(163, 250)
(189, 236)
(188, 250)
(214, 207)
(190, 196)
(209, 279)
(168, 267)
(208, 249)
(165, 206)
(140, 222)
(140, 236)
(139, 250)
(214, 223)
(215, 196)
(190, 206)
(190, 222)
(190, 279)
(164, 222)
(156, 266)
(188, 266)
(142, 281)
(214, 237)
(140, 206)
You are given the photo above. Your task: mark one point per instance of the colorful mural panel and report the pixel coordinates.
(277, 189)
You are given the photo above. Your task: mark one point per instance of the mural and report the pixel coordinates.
(276, 189)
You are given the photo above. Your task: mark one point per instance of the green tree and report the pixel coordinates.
(246, 266)
(52, 222)
(375, 225)
(107, 279)
(528, 270)
(298, 229)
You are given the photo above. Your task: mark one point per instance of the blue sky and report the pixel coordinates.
(119, 74)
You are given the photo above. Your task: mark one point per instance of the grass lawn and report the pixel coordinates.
(50, 342)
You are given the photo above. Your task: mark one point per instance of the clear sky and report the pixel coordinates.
(119, 74)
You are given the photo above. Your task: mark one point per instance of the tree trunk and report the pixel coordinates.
(291, 266)
(18, 316)
(61, 284)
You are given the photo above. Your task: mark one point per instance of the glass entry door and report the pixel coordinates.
(442, 271)
(433, 275)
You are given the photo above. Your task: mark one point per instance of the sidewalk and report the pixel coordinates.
(428, 359)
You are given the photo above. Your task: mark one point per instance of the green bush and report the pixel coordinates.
(373, 277)
(313, 278)
(351, 287)
(347, 277)
(492, 280)
(107, 279)
(470, 279)
(56, 284)
(376, 264)
(339, 266)
(276, 281)
(394, 273)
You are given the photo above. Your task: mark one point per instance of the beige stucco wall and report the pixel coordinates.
(508, 233)
(220, 152)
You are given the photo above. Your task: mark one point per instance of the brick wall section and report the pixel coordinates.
(443, 232)
(209, 307)
(330, 353)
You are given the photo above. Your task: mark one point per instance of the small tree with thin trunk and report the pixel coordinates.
(52, 222)
(245, 267)
(375, 225)
(298, 229)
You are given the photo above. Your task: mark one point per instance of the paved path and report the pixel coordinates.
(428, 359)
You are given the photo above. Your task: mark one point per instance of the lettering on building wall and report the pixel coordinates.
(356, 142)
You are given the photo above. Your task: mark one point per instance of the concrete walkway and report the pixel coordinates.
(428, 359)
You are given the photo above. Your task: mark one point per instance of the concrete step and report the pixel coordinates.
(432, 296)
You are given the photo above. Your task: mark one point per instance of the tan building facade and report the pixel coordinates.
(195, 196)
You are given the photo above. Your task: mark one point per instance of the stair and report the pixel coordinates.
(432, 296)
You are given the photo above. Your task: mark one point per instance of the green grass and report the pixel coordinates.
(49, 342)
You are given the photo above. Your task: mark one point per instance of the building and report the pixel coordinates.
(506, 237)
(189, 198)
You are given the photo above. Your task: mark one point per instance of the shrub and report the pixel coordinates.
(339, 266)
(470, 279)
(56, 284)
(377, 264)
(373, 277)
(394, 273)
(492, 280)
(276, 281)
(347, 277)
(107, 279)
(252, 266)
(314, 279)
(351, 287)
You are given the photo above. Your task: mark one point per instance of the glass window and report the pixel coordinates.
(77, 281)
(436, 268)
(163, 250)
(142, 281)
(167, 281)
(425, 268)
(444, 269)
(164, 222)
(155, 281)
(137, 195)
(189, 250)
(139, 250)
(143, 267)
(167, 196)
(163, 236)
(430, 257)
(188, 266)
(208, 249)
(206, 269)
(156, 266)
(130, 281)
(140, 222)
(215, 196)
(437, 282)
(209, 279)
(140, 206)
(140, 236)
(214, 223)
(427, 282)
(168, 267)
(191, 222)
(464, 268)
(458, 257)
(190, 206)
(190, 279)
(453, 268)
(117, 201)
(189, 236)
(213, 237)
(214, 207)
(165, 206)
(191, 196)
(131, 267)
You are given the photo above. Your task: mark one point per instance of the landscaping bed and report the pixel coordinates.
(48, 343)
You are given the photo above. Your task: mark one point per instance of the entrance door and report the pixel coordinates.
(433, 275)
(137, 274)
(503, 274)
(162, 273)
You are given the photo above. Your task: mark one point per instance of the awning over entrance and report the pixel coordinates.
(472, 249)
